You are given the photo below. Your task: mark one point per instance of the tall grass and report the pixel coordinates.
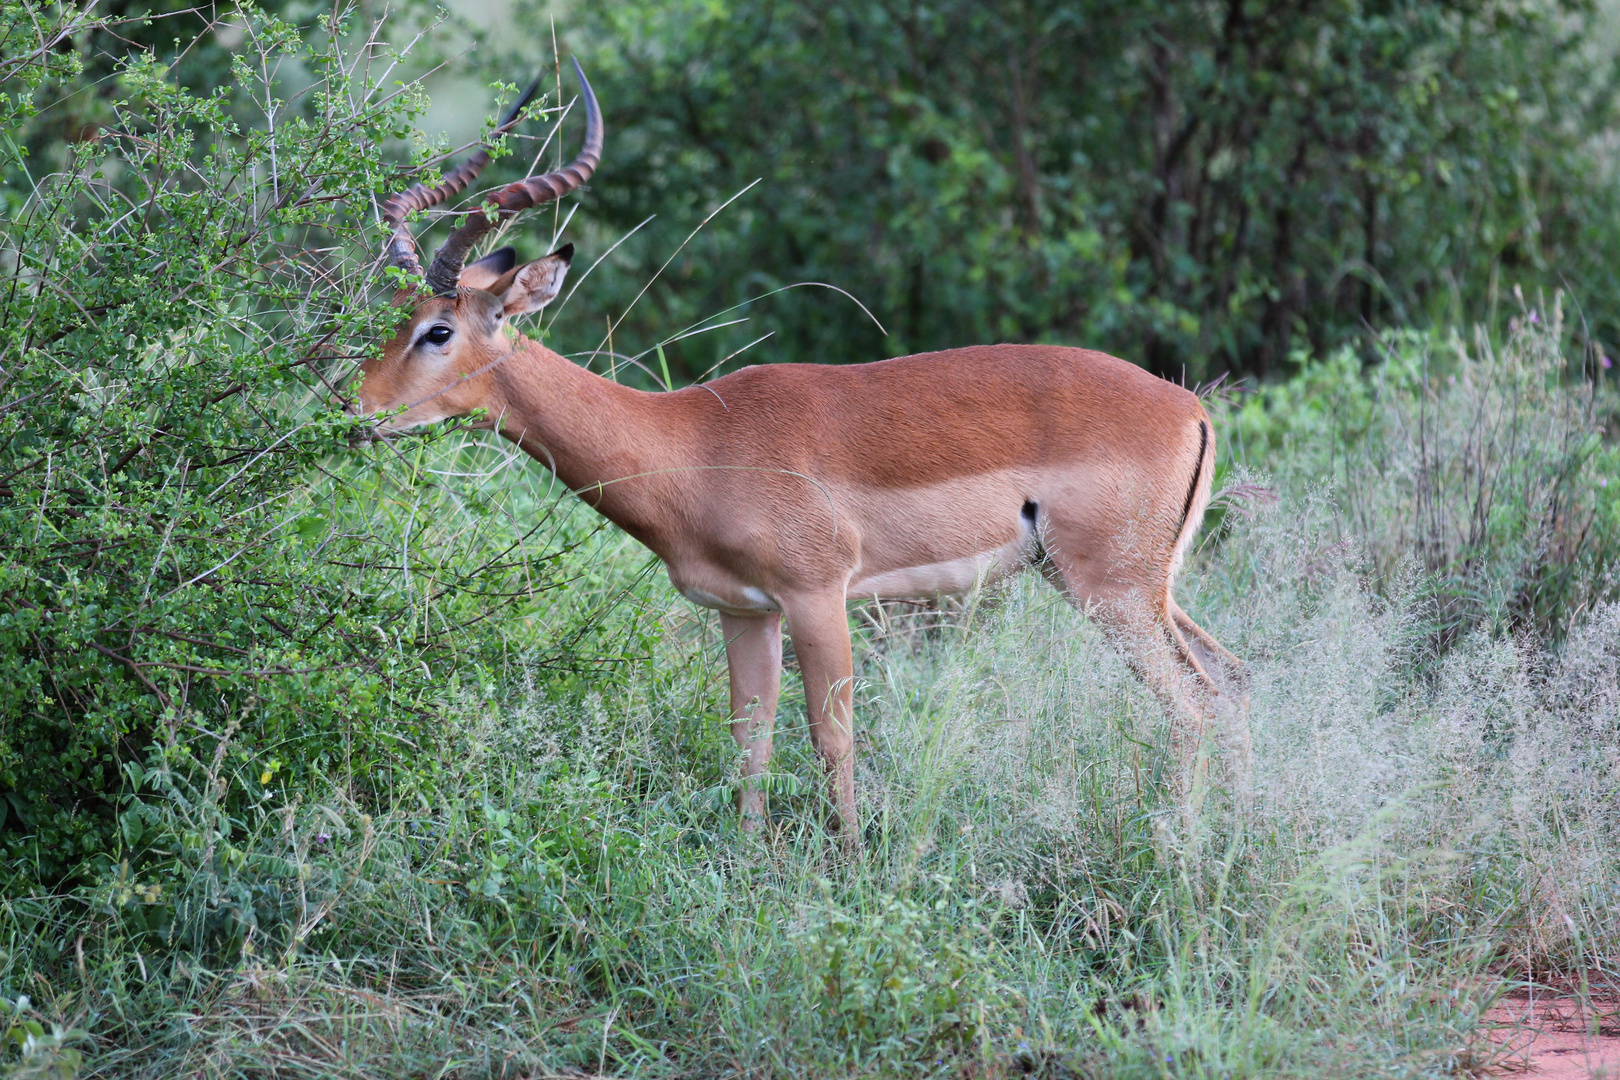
(1435, 818)
(1485, 460)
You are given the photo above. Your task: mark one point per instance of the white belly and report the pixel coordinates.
(949, 578)
(744, 598)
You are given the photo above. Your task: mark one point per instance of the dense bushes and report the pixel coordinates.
(185, 541)
(1487, 464)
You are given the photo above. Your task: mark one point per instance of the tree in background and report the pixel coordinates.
(1197, 186)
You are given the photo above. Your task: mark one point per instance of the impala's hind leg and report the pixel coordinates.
(1212, 655)
(1230, 702)
(1136, 618)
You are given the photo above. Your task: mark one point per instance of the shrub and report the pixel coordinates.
(907, 979)
(1490, 463)
(187, 543)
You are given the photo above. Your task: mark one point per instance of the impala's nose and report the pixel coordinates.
(359, 434)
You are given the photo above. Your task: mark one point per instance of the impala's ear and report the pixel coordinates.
(534, 285)
(488, 270)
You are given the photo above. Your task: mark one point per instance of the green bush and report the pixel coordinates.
(1489, 465)
(188, 544)
(908, 979)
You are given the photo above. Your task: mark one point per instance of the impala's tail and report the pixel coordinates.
(1198, 488)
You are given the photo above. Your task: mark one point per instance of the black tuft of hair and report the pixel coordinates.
(566, 254)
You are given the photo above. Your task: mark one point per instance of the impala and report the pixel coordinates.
(791, 490)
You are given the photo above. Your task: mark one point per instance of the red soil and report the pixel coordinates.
(1554, 1037)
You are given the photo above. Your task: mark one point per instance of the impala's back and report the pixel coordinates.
(930, 473)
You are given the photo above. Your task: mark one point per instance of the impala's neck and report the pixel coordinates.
(612, 445)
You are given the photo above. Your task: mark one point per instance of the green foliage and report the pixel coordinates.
(1194, 186)
(188, 544)
(909, 979)
(39, 1056)
(147, 480)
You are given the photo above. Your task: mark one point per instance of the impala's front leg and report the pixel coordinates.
(754, 657)
(819, 625)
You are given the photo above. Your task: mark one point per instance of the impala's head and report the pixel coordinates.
(456, 330)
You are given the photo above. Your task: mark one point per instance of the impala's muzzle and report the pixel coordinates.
(364, 436)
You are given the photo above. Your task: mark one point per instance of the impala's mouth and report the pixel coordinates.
(376, 429)
(365, 436)
(368, 429)
(387, 429)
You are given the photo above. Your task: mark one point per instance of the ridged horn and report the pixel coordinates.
(401, 246)
(514, 198)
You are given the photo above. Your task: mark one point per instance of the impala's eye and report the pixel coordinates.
(438, 335)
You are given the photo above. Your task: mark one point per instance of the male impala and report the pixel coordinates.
(794, 489)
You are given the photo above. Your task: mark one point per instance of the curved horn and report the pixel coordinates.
(448, 261)
(401, 247)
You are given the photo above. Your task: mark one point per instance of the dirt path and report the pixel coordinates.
(1556, 1038)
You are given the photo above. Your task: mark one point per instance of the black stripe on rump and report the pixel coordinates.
(1198, 472)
